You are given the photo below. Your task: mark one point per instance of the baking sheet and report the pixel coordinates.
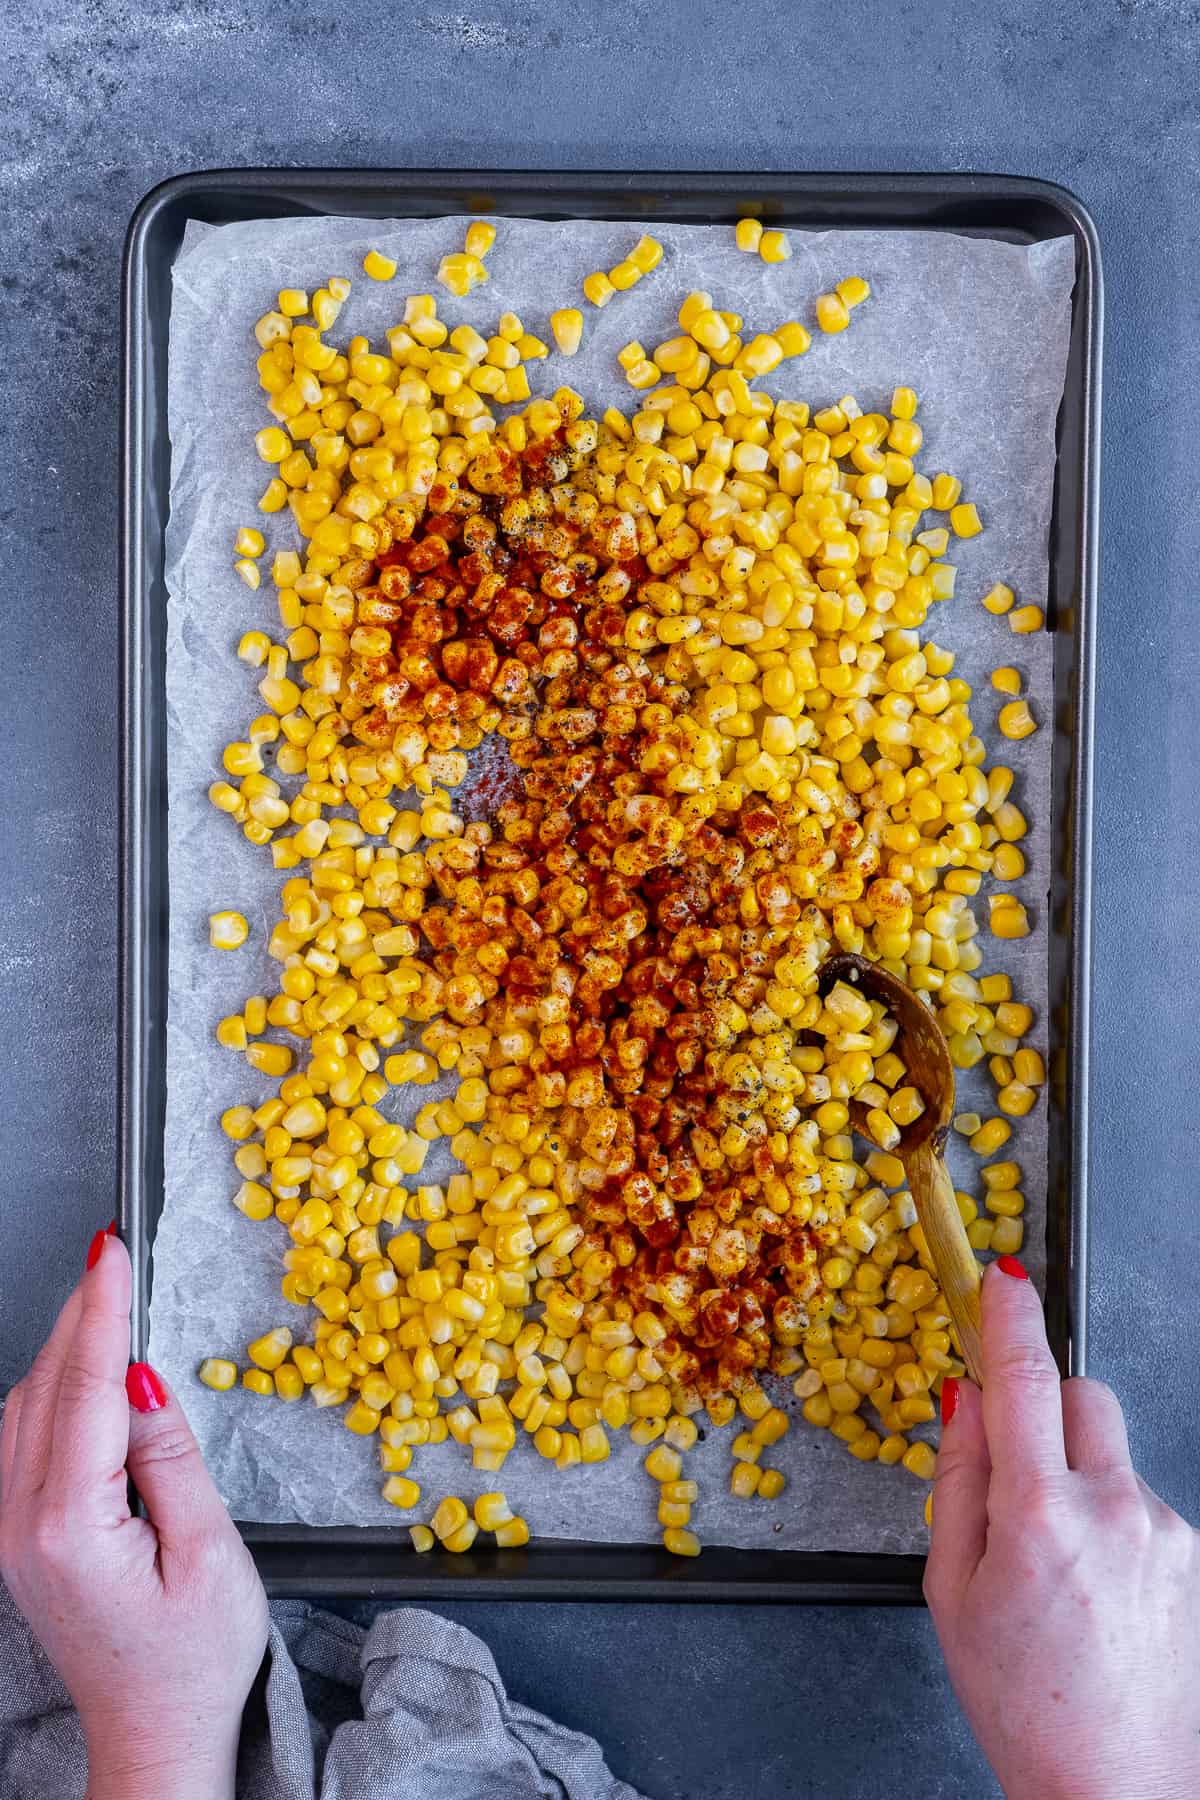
(980, 328)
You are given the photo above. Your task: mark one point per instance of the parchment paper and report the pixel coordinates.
(980, 329)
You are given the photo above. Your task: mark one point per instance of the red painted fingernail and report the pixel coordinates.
(949, 1399)
(146, 1392)
(111, 1228)
(95, 1249)
(1012, 1267)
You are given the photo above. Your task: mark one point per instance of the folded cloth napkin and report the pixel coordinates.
(412, 1709)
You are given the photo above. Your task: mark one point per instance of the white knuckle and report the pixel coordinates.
(172, 1442)
(1025, 1365)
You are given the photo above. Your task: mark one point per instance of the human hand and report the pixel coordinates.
(157, 1627)
(1065, 1594)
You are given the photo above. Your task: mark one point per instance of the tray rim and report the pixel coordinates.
(549, 1571)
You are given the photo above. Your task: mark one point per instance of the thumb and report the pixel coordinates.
(167, 1469)
(959, 1531)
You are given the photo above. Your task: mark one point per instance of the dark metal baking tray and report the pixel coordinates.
(379, 1563)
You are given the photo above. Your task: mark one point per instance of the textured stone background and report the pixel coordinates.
(104, 100)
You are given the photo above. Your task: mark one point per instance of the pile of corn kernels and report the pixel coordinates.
(729, 750)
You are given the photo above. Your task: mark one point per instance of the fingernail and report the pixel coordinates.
(95, 1249)
(111, 1228)
(949, 1399)
(146, 1392)
(1012, 1267)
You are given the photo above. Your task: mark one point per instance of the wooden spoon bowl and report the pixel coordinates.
(922, 1049)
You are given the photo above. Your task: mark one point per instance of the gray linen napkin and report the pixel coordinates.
(413, 1709)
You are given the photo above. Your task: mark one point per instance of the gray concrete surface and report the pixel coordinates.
(104, 99)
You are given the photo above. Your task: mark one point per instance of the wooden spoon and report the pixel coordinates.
(922, 1049)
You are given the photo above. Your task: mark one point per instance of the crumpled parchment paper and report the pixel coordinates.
(980, 328)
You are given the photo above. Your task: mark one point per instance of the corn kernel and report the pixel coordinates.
(215, 1372)
(833, 314)
(646, 254)
(481, 235)
(272, 444)
(378, 266)
(663, 1464)
(567, 326)
(399, 1491)
(491, 1511)
(598, 288)
(853, 290)
(1016, 721)
(227, 930)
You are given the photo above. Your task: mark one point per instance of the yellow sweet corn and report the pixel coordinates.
(990, 1137)
(998, 599)
(512, 1535)
(481, 235)
(1024, 619)
(646, 254)
(598, 288)
(852, 291)
(1016, 1098)
(744, 1479)
(567, 326)
(1007, 1237)
(272, 444)
(663, 1463)
(459, 272)
(422, 1538)
(227, 930)
(269, 1351)
(774, 246)
(378, 266)
(269, 1059)
(1016, 721)
(748, 234)
(491, 1511)
(273, 498)
(399, 1491)
(462, 1539)
(1006, 680)
(833, 314)
(1007, 917)
(216, 1373)
(289, 1383)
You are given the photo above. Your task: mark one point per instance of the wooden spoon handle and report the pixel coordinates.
(957, 1270)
